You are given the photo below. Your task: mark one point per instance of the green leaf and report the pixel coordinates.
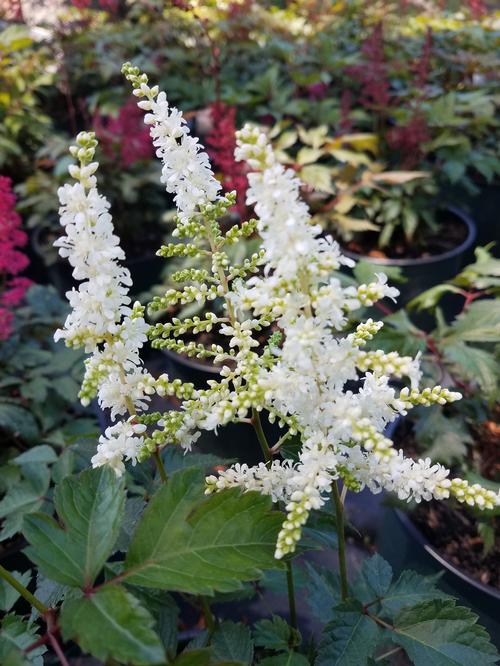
(479, 323)
(474, 364)
(410, 589)
(365, 272)
(36, 389)
(323, 592)
(443, 438)
(285, 659)
(134, 507)
(24, 498)
(373, 580)
(90, 507)
(18, 420)
(399, 334)
(443, 634)
(274, 634)
(350, 638)
(8, 595)
(317, 176)
(64, 466)
(17, 634)
(233, 642)
(309, 155)
(110, 623)
(48, 592)
(186, 543)
(428, 299)
(201, 657)
(20, 499)
(286, 140)
(166, 623)
(38, 454)
(487, 533)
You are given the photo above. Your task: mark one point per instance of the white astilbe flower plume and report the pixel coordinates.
(314, 379)
(101, 319)
(186, 170)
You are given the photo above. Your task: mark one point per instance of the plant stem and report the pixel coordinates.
(160, 466)
(339, 510)
(291, 595)
(209, 616)
(388, 654)
(257, 424)
(58, 650)
(24, 592)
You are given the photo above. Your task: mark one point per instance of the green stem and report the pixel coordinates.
(209, 616)
(160, 466)
(339, 510)
(30, 598)
(291, 595)
(264, 445)
(388, 654)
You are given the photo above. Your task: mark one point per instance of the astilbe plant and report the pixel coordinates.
(221, 144)
(12, 260)
(288, 283)
(123, 135)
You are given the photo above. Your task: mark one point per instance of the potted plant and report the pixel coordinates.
(387, 218)
(202, 537)
(461, 354)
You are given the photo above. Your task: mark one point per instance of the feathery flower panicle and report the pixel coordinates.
(186, 170)
(342, 431)
(101, 320)
(12, 260)
(342, 397)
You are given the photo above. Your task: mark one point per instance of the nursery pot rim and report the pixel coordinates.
(415, 532)
(419, 261)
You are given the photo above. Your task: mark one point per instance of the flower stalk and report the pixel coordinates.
(23, 591)
(339, 515)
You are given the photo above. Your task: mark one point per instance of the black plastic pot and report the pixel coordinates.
(405, 547)
(235, 440)
(401, 542)
(426, 272)
(484, 208)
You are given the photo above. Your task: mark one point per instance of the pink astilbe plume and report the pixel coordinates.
(221, 143)
(371, 74)
(12, 260)
(477, 8)
(11, 10)
(345, 122)
(410, 138)
(107, 5)
(124, 137)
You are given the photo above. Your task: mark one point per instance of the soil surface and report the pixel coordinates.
(451, 233)
(450, 527)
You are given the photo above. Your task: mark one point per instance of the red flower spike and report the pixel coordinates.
(125, 136)
(12, 260)
(221, 142)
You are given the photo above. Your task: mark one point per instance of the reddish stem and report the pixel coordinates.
(41, 641)
(58, 650)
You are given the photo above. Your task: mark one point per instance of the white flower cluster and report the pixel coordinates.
(186, 171)
(312, 378)
(101, 319)
(342, 429)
